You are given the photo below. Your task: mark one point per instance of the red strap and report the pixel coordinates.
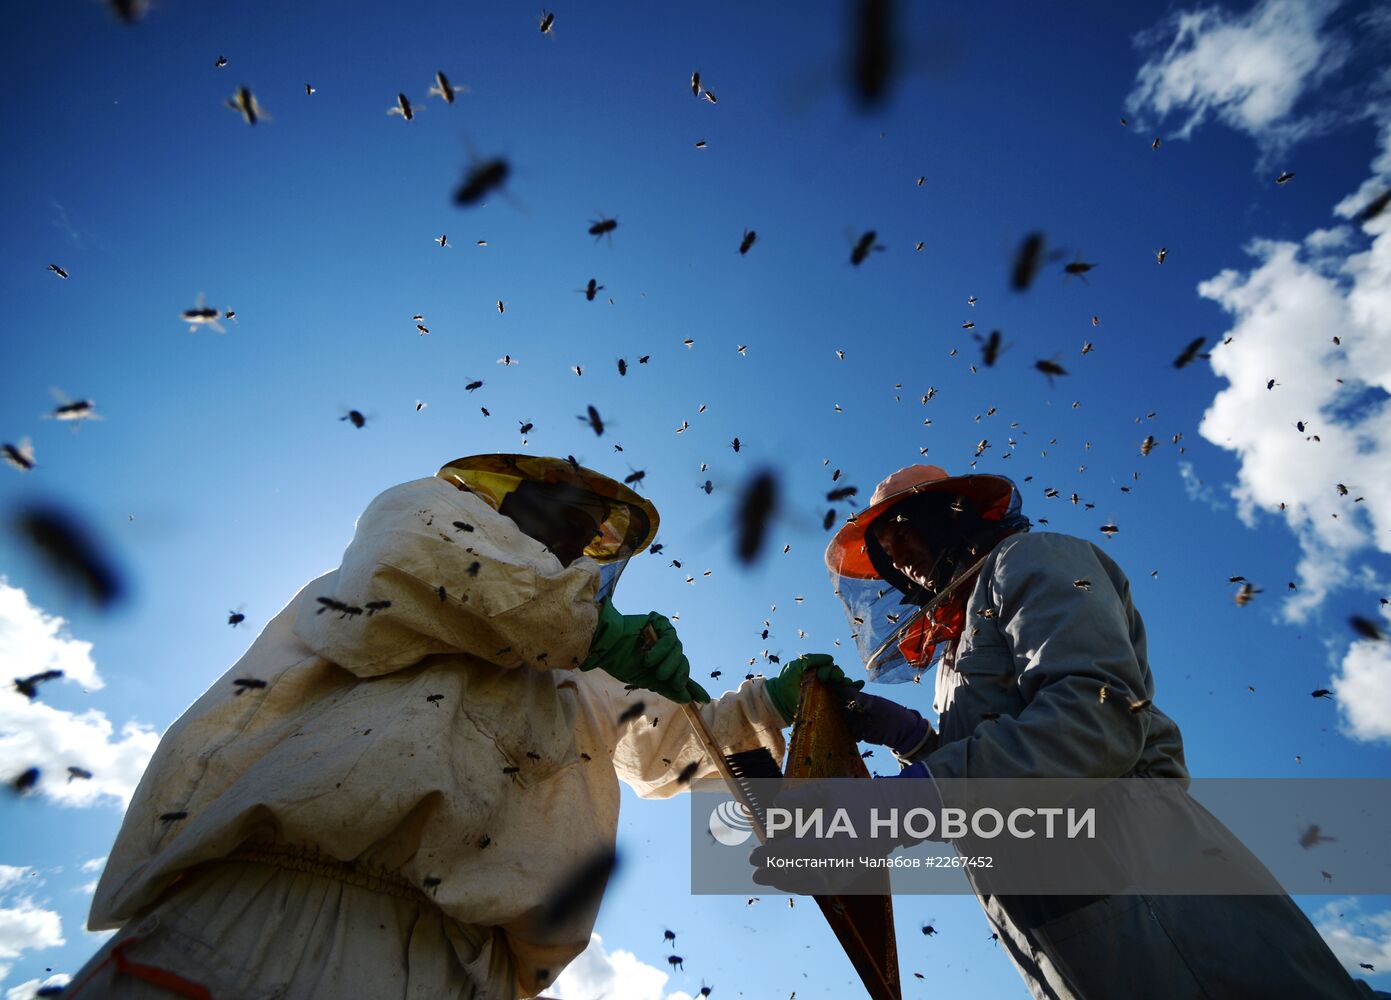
(171, 981)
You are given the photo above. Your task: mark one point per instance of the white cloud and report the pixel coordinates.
(25, 925)
(1198, 490)
(617, 975)
(1246, 70)
(94, 864)
(34, 733)
(29, 990)
(1286, 311)
(32, 641)
(1363, 689)
(1355, 938)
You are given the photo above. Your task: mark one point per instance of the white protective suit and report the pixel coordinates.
(1018, 697)
(408, 782)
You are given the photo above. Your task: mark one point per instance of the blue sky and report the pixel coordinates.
(221, 476)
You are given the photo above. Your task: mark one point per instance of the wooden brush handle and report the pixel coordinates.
(716, 754)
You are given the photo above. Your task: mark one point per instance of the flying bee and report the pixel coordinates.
(403, 108)
(635, 477)
(443, 240)
(829, 520)
(702, 144)
(578, 370)
(633, 711)
(622, 366)
(1136, 707)
(1028, 260)
(758, 504)
(171, 817)
(1050, 368)
(129, 11)
(508, 361)
(1078, 268)
(675, 962)
(21, 455)
(873, 59)
(25, 781)
(1366, 628)
(308, 90)
(684, 778)
(235, 618)
(1109, 529)
(245, 104)
(1322, 693)
(1088, 347)
(1285, 177)
(1082, 584)
(695, 84)
(1245, 594)
(374, 606)
(863, 246)
(356, 418)
(527, 425)
(482, 177)
(591, 289)
(709, 96)
(202, 315)
(475, 384)
(78, 772)
(989, 349)
(1375, 207)
(1193, 350)
(501, 308)
(595, 421)
(708, 487)
(1147, 445)
(244, 684)
(744, 245)
(71, 553)
(1312, 836)
(29, 686)
(601, 227)
(546, 22)
(1155, 144)
(60, 272)
(1160, 254)
(443, 88)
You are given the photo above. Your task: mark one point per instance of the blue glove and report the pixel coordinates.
(872, 719)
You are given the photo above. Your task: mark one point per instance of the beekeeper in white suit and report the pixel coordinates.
(379, 799)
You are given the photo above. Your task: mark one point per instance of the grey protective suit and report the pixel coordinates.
(1056, 645)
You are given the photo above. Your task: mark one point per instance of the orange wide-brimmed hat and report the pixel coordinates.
(846, 554)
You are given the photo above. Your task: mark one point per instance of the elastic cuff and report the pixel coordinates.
(922, 748)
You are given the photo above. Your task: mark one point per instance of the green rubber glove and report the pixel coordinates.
(620, 649)
(786, 689)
